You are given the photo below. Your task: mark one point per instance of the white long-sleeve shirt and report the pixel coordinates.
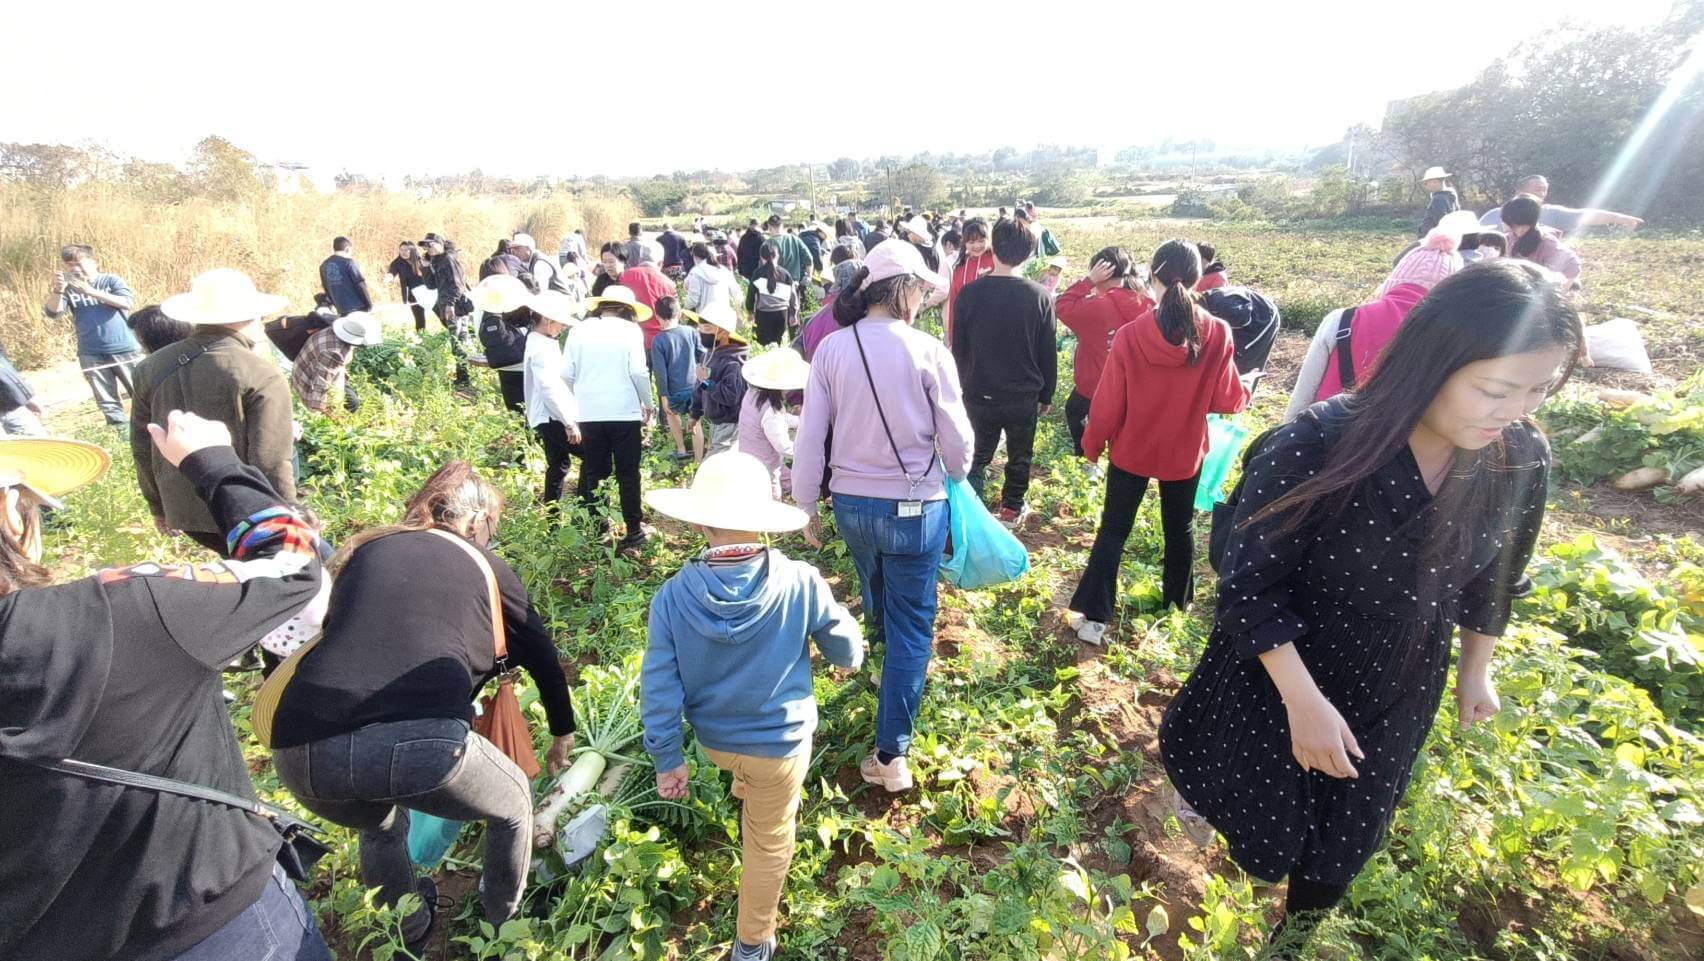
(547, 394)
(604, 365)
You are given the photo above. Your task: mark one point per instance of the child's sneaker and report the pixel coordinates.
(742, 951)
(1013, 519)
(1089, 632)
(894, 776)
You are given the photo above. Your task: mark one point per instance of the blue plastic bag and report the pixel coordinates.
(983, 553)
(430, 838)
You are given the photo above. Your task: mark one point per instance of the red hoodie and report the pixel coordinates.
(964, 271)
(1094, 320)
(1152, 406)
(649, 285)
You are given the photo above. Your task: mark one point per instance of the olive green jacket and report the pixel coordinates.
(215, 373)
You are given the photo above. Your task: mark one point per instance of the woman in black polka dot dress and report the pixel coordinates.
(1367, 531)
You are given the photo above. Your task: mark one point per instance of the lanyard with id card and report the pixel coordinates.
(911, 506)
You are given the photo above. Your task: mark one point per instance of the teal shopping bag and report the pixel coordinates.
(983, 552)
(1225, 436)
(430, 838)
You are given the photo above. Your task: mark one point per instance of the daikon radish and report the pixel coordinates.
(1692, 483)
(1640, 478)
(1621, 399)
(577, 780)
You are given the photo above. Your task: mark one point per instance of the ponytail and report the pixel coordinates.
(1177, 266)
(1524, 210)
(852, 303)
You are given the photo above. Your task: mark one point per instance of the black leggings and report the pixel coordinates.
(558, 456)
(608, 447)
(771, 326)
(1076, 419)
(1098, 589)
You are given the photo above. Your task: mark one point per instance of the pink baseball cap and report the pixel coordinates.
(897, 258)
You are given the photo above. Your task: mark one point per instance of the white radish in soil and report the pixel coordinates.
(1693, 482)
(606, 714)
(1641, 478)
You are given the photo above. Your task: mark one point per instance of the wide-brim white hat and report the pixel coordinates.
(732, 492)
(359, 328)
(1435, 173)
(499, 294)
(222, 296)
(556, 305)
(779, 369)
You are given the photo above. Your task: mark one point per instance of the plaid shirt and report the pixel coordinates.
(320, 368)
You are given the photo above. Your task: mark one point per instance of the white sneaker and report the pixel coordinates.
(1091, 632)
(894, 776)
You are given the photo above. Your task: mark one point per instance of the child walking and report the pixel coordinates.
(722, 385)
(675, 355)
(730, 648)
(766, 421)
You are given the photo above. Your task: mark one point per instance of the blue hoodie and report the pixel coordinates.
(730, 645)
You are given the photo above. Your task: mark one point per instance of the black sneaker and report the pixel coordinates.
(428, 891)
(633, 541)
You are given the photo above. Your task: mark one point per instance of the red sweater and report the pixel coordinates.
(649, 285)
(1152, 406)
(1094, 320)
(964, 271)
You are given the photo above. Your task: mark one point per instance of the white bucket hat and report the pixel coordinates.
(1434, 173)
(499, 294)
(523, 240)
(556, 305)
(358, 328)
(897, 258)
(732, 492)
(778, 369)
(219, 297)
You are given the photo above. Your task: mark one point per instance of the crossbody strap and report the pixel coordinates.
(1346, 348)
(874, 394)
(151, 782)
(182, 362)
(499, 636)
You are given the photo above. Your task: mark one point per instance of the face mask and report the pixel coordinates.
(708, 340)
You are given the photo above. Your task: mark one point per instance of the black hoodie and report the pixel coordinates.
(122, 669)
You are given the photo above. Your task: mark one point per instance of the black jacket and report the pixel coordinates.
(719, 398)
(505, 342)
(1005, 339)
(123, 669)
(750, 243)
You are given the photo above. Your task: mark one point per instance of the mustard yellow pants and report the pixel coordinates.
(770, 788)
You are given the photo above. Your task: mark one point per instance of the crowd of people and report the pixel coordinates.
(1400, 500)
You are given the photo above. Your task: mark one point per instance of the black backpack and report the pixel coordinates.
(505, 344)
(1253, 319)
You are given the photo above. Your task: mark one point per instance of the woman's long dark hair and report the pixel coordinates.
(1124, 267)
(1177, 266)
(701, 251)
(776, 399)
(1522, 210)
(1492, 309)
(769, 266)
(853, 304)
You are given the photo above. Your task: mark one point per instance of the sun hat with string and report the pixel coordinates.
(732, 491)
(222, 297)
(717, 313)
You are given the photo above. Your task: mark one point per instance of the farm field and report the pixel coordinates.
(1571, 826)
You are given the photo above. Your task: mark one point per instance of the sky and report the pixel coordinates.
(576, 89)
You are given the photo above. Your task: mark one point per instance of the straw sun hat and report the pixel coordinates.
(617, 294)
(50, 466)
(499, 294)
(731, 491)
(219, 297)
(778, 369)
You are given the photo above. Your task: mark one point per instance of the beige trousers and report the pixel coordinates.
(770, 788)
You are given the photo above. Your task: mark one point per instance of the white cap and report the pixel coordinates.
(522, 240)
(897, 258)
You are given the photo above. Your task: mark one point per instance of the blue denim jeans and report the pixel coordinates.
(277, 927)
(897, 560)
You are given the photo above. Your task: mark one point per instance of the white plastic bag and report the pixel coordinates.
(1616, 344)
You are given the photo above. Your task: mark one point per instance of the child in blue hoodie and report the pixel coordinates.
(730, 648)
